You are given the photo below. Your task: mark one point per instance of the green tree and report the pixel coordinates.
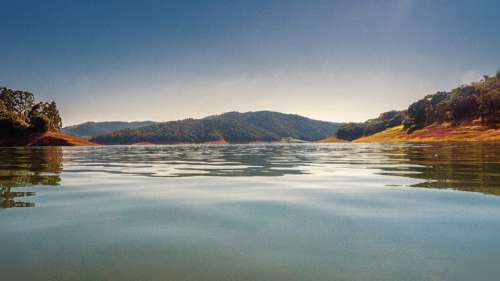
(20, 115)
(19, 102)
(3, 108)
(490, 107)
(11, 125)
(39, 123)
(50, 112)
(54, 117)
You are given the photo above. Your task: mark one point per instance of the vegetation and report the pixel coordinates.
(233, 127)
(351, 131)
(476, 101)
(89, 130)
(20, 115)
(469, 132)
(479, 100)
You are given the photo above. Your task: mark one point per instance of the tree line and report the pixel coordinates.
(233, 127)
(352, 131)
(21, 115)
(480, 100)
(475, 101)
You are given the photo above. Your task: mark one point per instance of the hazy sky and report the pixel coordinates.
(164, 60)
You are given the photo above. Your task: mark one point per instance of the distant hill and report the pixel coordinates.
(89, 130)
(232, 127)
(469, 112)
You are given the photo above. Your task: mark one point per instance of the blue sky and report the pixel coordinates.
(164, 60)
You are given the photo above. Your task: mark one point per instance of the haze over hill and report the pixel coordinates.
(233, 127)
(91, 129)
(476, 106)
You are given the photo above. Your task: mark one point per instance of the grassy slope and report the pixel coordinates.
(436, 133)
(47, 139)
(59, 139)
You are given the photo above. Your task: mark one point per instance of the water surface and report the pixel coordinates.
(251, 212)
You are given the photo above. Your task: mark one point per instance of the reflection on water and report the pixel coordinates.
(21, 167)
(468, 167)
(192, 160)
(357, 212)
(465, 167)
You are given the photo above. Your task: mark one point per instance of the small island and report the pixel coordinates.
(25, 122)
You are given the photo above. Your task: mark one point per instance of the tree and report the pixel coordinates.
(20, 115)
(50, 111)
(463, 107)
(490, 106)
(20, 102)
(10, 125)
(3, 107)
(52, 114)
(351, 131)
(417, 114)
(39, 123)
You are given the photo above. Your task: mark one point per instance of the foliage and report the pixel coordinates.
(234, 127)
(18, 102)
(39, 123)
(11, 124)
(385, 120)
(20, 115)
(479, 100)
(3, 107)
(48, 110)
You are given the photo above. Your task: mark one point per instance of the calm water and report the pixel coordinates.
(251, 212)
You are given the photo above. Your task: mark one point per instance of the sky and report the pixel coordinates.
(169, 60)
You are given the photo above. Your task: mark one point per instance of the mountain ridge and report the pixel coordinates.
(232, 127)
(90, 129)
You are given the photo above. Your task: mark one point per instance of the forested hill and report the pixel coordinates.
(89, 130)
(476, 101)
(233, 127)
(476, 104)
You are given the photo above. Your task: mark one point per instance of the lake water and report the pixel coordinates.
(251, 212)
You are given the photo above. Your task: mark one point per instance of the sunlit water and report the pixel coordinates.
(251, 212)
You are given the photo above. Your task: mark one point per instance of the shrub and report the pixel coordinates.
(39, 124)
(11, 125)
